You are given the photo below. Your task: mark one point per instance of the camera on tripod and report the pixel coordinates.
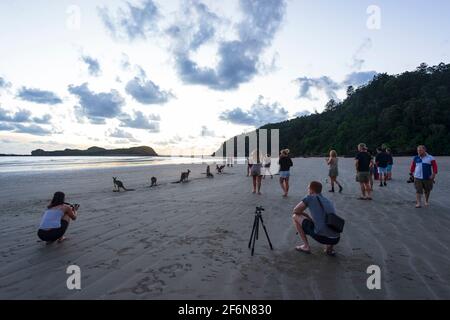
(255, 230)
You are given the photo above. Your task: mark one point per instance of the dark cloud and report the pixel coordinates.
(22, 116)
(326, 84)
(136, 21)
(146, 91)
(6, 127)
(93, 65)
(122, 134)
(141, 121)
(259, 114)
(32, 129)
(238, 60)
(38, 96)
(97, 106)
(329, 86)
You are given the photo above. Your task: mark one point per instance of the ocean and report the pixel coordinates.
(11, 164)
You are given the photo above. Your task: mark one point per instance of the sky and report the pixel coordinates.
(183, 76)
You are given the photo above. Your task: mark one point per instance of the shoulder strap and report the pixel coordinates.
(320, 203)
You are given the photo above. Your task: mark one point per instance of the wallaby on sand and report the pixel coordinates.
(184, 177)
(208, 172)
(153, 182)
(219, 168)
(118, 184)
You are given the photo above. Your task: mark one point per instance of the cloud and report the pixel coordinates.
(205, 132)
(238, 59)
(122, 134)
(4, 84)
(38, 96)
(146, 91)
(357, 60)
(97, 106)
(323, 83)
(93, 65)
(141, 121)
(22, 116)
(303, 113)
(32, 129)
(329, 86)
(6, 127)
(260, 113)
(136, 21)
(357, 79)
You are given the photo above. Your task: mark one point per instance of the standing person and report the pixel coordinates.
(382, 161)
(285, 163)
(249, 167)
(255, 171)
(390, 164)
(267, 163)
(314, 224)
(424, 168)
(56, 219)
(333, 172)
(363, 162)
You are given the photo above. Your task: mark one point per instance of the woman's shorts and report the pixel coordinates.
(389, 168)
(382, 170)
(53, 234)
(308, 228)
(284, 174)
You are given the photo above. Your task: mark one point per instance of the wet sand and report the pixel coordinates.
(189, 241)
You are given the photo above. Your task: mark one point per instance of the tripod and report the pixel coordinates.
(255, 230)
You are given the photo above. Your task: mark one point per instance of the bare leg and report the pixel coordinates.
(283, 186)
(363, 190)
(297, 223)
(286, 181)
(368, 190)
(418, 200)
(427, 198)
(259, 180)
(254, 184)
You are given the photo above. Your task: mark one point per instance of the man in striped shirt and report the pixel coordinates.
(424, 168)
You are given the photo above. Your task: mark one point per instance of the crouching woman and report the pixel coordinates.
(56, 219)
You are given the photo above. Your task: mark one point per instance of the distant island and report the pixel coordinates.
(97, 151)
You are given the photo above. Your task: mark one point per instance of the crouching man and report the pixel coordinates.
(314, 224)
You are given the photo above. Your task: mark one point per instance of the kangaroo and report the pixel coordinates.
(220, 168)
(119, 184)
(185, 176)
(153, 181)
(208, 172)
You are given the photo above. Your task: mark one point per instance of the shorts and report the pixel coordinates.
(308, 228)
(256, 170)
(423, 185)
(284, 174)
(389, 168)
(382, 170)
(53, 234)
(363, 177)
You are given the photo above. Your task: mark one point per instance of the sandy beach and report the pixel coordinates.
(189, 241)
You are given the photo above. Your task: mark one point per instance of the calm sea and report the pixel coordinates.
(26, 164)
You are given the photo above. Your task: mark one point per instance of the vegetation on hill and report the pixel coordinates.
(401, 111)
(96, 151)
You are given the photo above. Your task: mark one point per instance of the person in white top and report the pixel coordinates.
(56, 219)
